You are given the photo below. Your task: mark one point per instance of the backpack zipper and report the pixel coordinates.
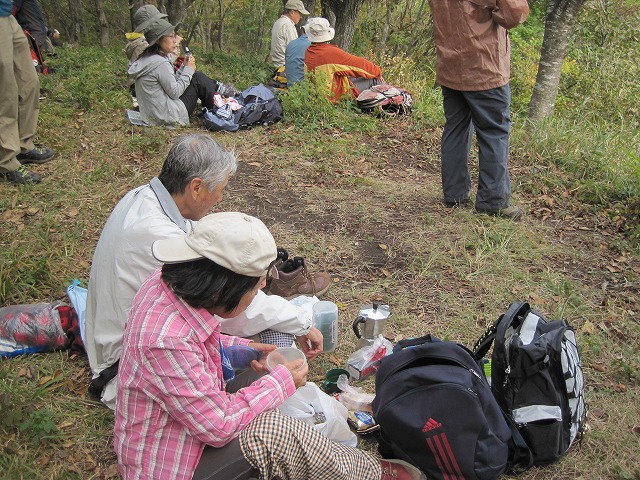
(507, 371)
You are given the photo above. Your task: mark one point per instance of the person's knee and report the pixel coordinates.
(29, 85)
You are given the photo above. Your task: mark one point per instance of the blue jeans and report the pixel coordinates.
(488, 112)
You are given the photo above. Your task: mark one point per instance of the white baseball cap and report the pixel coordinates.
(233, 240)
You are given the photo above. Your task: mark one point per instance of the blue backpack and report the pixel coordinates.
(216, 122)
(261, 107)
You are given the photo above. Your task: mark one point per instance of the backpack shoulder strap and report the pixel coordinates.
(414, 342)
(520, 455)
(483, 344)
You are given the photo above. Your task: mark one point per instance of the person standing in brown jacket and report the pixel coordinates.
(473, 57)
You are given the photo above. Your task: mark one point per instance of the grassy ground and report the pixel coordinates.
(358, 197)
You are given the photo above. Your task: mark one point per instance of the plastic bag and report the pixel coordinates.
(322, 412)
(78, 297)
(31, 329)
(353, 398)
(365, 361)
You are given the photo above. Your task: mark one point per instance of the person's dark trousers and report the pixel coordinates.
(488, 112)
(201, 88)
(228, 463)
(362, 84)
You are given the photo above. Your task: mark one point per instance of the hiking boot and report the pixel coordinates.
(512, 212)
(400, 470)
(273, 272)
(294, 279)
(22, 175)
(37, 155)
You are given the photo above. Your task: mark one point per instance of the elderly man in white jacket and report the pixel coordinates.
(192, 180)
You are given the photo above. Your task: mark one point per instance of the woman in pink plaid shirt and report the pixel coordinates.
(181, 410)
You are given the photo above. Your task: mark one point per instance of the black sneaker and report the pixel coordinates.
(37, 155)
(22, 175)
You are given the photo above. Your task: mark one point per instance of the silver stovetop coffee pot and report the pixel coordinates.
(373, 319)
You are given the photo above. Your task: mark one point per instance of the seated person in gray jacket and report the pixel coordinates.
(167, 96)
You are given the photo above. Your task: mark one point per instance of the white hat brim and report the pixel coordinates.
(174, 250)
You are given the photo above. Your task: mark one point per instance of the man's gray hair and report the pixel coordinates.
(196, 156)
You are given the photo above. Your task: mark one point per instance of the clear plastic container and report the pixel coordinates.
(284, 355)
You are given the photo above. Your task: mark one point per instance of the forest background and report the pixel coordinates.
(357, 196)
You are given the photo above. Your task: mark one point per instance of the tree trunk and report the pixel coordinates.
(222, 12)
(345, 13)
(327, 12)
(310, 5)
(177, 10)
(384, 35)
(103, 25)
(416, 23)
(134, 5)
(58, 19)
(77, 27)
(561, 17)
(262, 24)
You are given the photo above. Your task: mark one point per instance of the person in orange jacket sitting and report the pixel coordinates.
(344, 73)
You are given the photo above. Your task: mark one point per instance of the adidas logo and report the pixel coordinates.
(431, 425)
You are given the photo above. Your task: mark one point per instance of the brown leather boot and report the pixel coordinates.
(299, 281)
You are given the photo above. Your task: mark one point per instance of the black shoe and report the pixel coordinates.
(458, 203)
(37, 155)
(22, 175)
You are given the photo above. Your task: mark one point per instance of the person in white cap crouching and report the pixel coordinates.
(181, 412)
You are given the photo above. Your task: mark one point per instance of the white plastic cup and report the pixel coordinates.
(325, 319)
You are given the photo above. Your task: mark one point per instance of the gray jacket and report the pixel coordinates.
(158, 90)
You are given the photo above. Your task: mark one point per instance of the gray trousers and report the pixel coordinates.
(488, 112)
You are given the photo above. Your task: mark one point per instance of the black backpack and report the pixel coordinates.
(261, 107)
(436, 410)
(536, 378)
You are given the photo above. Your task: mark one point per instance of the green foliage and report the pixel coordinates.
(241, 70)
(88, 83)
(20, 415)
(599, 76)
(594, 132)
(305, 104)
